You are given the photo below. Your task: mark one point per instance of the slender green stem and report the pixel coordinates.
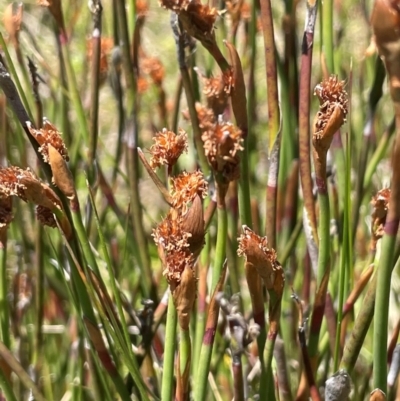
(386, 265)
(208, 340)
(73, 89)
(169, 352)
(185, 352)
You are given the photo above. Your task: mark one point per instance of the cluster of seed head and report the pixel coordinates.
(331, 95)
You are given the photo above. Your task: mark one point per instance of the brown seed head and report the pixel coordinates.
(257, 253)
(15, 181)
(167, 148)
(170, 234)
(216, 92)
(205, 115)
(380, 205)
(221, 146)
(11, 181)
(332, 112)
(201, 18)
(49, 135)
(185, 187)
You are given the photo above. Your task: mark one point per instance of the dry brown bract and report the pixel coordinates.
(167, 148)
(257, 253)
(49, 135)
(380, 204)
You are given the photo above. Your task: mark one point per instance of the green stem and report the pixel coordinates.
(169, 352)
(385, 269)
(184, 365)
(220, 255)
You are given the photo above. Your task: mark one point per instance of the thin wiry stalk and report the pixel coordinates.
(169, 351)
(304, 115)
(273, 118)
(132, 143)
(96, 10)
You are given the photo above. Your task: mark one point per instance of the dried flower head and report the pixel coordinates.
(170, 234)
(222, 144)
(257, 253)
(11, 181)
(12, 19)
(332, 111)
(216, 92)
(49, 135)
(6, 215)
(167, 148)
(15, 181)
(205, 116)
(153, 67)
(185, 187)
(380, 205)
(45, 216)
(173, 247)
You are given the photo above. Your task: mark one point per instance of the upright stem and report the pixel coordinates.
(386, 264)
(169, 352)
(304, 114)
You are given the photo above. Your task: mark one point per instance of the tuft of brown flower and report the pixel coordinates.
(201, 18)
(216, 92)
(332, 111)
(222, 144)
(170, 234)
(257, 253)
(15, 181)
(205, 115)
(185, 187)
(49, 135)
(167, 148)
(380, 207)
